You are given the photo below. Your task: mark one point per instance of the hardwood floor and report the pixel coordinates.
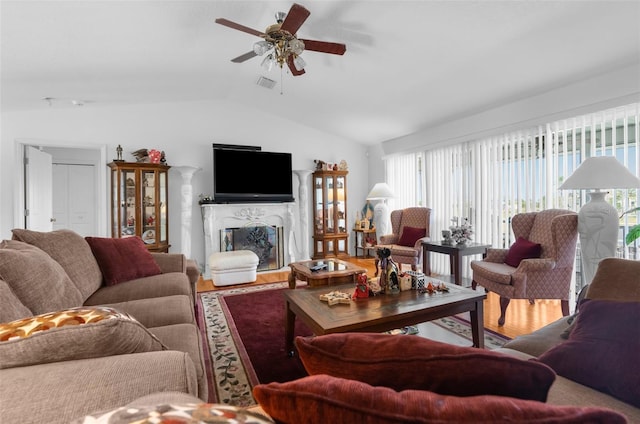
(522, 317)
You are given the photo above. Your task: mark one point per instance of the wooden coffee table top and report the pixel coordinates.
(379, 313)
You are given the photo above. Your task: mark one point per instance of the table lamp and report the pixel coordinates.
(598, 220)
(381, 214)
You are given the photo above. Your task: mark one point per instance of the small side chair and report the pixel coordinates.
(409, 228)
(545, 277)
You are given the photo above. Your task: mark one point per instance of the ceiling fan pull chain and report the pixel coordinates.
(281, 80)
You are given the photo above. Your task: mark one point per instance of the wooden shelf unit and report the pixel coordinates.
(139, 203)
(330, 237)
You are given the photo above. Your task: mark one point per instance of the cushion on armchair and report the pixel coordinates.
(123, 259)
(402, 363)
(75, 333)
(602, 349)
(325, 399)
(38, 281)
(522, 249)
(410, 235)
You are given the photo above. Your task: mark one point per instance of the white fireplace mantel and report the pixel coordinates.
(217, 217)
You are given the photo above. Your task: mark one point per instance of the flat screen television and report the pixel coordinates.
(245, 175)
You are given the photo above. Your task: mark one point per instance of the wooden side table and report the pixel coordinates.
(360, 242)
(455, 252)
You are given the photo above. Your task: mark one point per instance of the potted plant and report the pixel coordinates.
(634, 232)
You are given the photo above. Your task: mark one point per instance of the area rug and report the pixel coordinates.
(244, 340)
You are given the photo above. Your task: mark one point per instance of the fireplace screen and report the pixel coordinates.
(266, 241)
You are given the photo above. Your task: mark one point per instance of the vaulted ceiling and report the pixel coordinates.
(409, 65)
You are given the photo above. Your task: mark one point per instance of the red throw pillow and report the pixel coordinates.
(418, 363)
(602, 349)
(410, 235)
(123, 259)
(325, 399)
(522, 249)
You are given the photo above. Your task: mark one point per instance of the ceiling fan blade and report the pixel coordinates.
(246, 56)
(324, 46)
(292, 67)
(239, 27)
(295, 18)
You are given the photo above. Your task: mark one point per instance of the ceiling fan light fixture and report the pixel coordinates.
(268, 62)
(299, 63)
(261, 47)
(296, 46)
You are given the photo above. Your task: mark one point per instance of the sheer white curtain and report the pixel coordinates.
(402, 175)
(491, 179)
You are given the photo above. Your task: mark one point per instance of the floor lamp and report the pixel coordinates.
(381, 214)
(598, 221)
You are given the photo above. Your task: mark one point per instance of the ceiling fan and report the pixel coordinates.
(281, 43)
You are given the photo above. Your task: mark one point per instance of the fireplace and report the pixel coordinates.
(218, 218)
(266, 241)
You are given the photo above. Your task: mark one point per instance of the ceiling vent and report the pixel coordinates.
(266, 82)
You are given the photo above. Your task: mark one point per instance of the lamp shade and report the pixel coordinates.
(601, 172)
(380, 191)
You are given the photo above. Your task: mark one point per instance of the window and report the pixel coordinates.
(491, 179)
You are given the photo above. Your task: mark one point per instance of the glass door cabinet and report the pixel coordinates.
(330, 235)
(139, 197)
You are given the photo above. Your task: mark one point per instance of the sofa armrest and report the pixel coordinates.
(541, 340)
(170, 262)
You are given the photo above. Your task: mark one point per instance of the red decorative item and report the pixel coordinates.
(154, 156)
(362, 287)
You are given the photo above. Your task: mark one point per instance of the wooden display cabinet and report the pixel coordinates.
(330, 237)
(139, 203)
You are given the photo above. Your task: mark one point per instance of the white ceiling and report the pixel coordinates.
(409, 64)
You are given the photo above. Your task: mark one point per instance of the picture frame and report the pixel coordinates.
(364, 224)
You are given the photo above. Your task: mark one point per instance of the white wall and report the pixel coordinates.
(185, 132)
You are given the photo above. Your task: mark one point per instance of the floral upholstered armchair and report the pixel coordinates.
(410, 227)
(539, 265)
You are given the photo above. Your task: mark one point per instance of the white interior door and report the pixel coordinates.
(38, 190)
(74, 198)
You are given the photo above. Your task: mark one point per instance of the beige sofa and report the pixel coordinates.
(144, 340)
(617, 280)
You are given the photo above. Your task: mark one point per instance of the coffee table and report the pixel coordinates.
(336, 272)
(380, 313)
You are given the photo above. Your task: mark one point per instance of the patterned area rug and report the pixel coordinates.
(231, 374)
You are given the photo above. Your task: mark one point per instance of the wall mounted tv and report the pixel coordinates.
(245, 174)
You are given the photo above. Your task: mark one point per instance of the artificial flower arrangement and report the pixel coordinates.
(461, 232)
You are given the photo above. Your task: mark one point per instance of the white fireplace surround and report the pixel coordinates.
(217, 217)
